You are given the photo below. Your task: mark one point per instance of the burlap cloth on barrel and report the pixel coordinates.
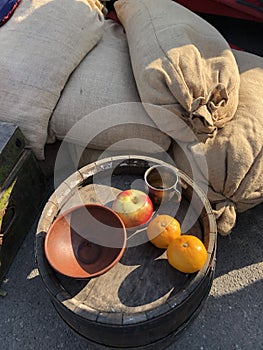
(235, 154)
(41, 45)
(181, 62)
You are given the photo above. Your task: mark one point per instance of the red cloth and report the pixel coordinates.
(113, 16)
(244, 9)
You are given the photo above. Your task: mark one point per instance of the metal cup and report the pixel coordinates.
(161, 183)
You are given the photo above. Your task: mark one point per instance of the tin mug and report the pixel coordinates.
(161, 183)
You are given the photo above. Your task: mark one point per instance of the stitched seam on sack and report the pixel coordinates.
(49, 40)
(34, 86)
(173, 66)
(167, 57)
(161, 48)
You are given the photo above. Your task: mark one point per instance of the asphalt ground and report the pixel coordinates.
(231, 318)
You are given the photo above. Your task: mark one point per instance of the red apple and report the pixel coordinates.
(134, 207)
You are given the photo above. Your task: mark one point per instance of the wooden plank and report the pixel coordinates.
(21, 196)
(12, 143)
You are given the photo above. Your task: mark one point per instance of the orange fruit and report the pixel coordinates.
(187, 254)
(162, 230)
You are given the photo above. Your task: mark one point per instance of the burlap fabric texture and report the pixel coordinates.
(41, 45)
(103, 79)
(181, 62)
(234, 155)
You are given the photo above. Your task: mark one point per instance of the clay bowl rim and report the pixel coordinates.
(105, 269)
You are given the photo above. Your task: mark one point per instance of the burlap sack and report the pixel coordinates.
(41, 45)
(181, 62)
(105, 78)
(235, 154)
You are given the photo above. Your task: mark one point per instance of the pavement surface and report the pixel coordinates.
(232, 316)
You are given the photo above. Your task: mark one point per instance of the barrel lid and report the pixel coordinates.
(142, 286)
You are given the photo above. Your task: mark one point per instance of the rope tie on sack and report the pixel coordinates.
(204, 112)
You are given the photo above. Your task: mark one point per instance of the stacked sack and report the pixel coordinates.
(41, 45)
(184, 66)
(235, 154)
(162, 74)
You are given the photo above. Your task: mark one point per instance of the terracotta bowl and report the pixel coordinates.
(85, 241)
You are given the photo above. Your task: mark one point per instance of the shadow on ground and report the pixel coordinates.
(230, 319)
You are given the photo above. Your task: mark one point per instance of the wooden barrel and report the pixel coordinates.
(142, 302)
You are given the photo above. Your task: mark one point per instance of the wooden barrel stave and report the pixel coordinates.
(131, 327)
(120, 336)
